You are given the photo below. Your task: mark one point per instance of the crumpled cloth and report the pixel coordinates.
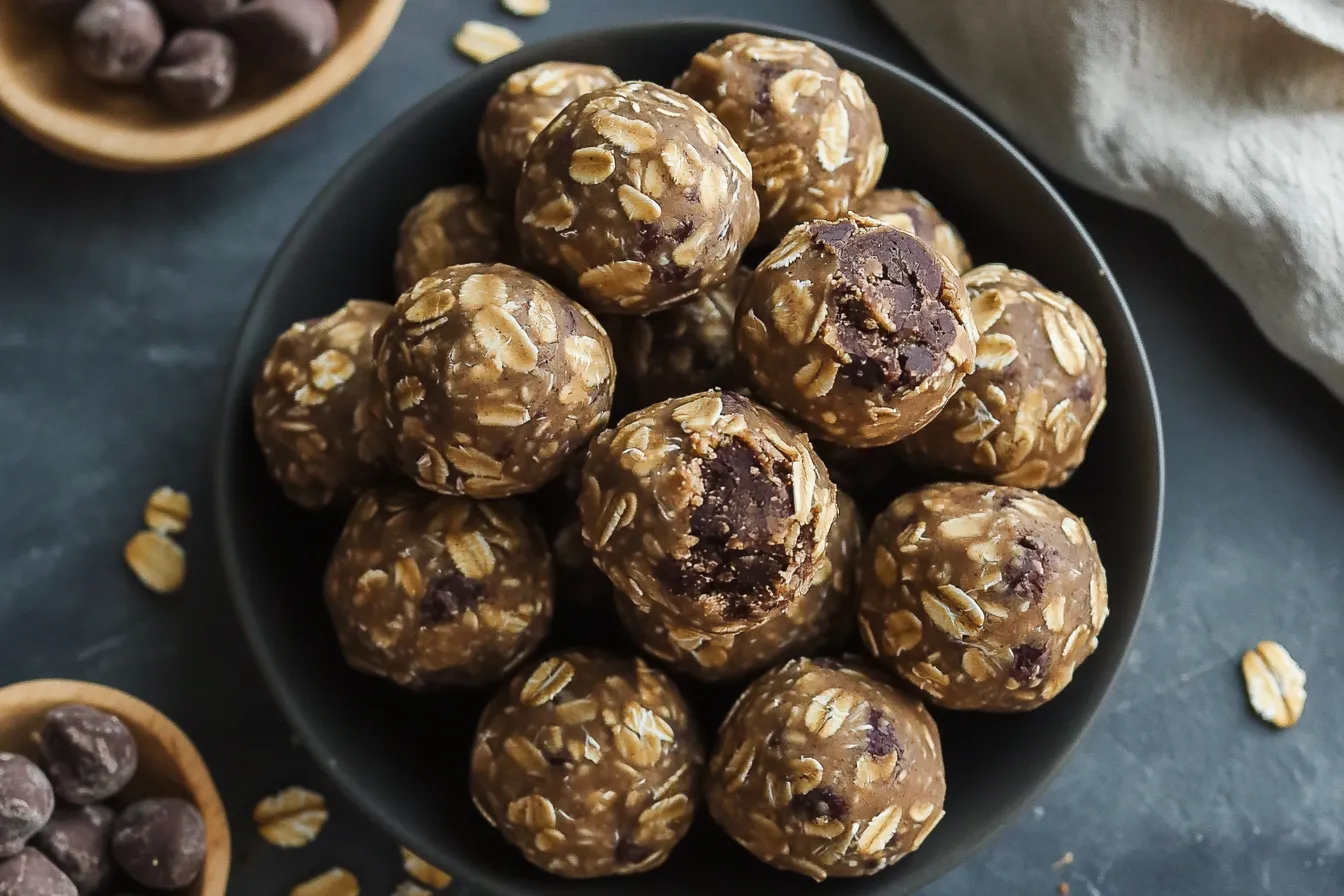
(1225, 118)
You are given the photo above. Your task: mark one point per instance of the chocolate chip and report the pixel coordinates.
(819, 803)
(26, 802)
(116, 40)
(767, 73)
(89, 754)
(881, 735)
(448, 596)
(32, 874)
(628, 852)
(1026, 572)
(290, 37)
(1027, 663)
(197, 72)
(160, 843)
(78, 841)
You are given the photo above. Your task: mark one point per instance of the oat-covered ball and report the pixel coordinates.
(862, 330)
(522, 106)
(822, 617)
(909, 211)
(311, 406)
(452, 225)
(709, 507)
(636, 198)
(490, 379)
(1025, 415)
(824, 769)
(982, 596)
(589, 763)
(808, 127)
(430, 591)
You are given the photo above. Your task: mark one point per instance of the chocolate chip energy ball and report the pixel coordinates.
(89, 754)
(160, 843)
(490, 379)
(311, 406)
(26, 802)
(29, 873)
(984, 597)
(808, 127)
(78, 840)
(708, 507)
(431, 591)
(1024, 417)
(909, 211)
(858, 328)
(635, 197)
(823, 769)
(820, 618)
(523, 105)
(589, 763)
(452, 225)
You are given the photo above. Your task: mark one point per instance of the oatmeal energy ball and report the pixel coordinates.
(452, 225)
(589, 763)
(522, 106)
(822, 617)
(808, 127)
(635, 197)
(984, 597)
(909, 211)
(310, 406)
(490, 378)
(823, 769)
(1025, 415)
(430, 591)
(708, 507)
(860, 329)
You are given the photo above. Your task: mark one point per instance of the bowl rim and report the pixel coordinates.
(238, 378)
(195, 774)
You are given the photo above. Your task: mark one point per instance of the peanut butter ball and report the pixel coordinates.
(909, 211)
(589, 763)
(808, 127)
(859, 329)
(982, 596)
(1024, 417)
(490, 379)
(635, 198)
(311, 407)
(826, 770)
(709, 507)
(452, 225)
(522, 106)
(429, 591)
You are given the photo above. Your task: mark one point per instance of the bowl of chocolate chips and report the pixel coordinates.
(689, 457)
(160, 84)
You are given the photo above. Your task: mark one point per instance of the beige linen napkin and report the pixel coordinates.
(1223, 117)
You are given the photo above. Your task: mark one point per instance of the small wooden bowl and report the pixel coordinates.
(169, 764)
(126, 128)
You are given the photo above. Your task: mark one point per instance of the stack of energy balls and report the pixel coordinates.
(610, 236)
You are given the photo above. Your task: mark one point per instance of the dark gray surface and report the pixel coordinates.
(119, 296)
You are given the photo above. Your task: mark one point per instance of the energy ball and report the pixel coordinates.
(522, 106)
(808, 127)
(490, 379)
(825, 770)
(635, 198)
(78, 840)
(1024, 417)
(115, 41)
(822, 617)
(589, 763)
(160, 843)
(26, 802)
(909, 211)
(687, 348)
(859, 329)
(430, 591)
(29, 873)
(984, 597)
(311, 407)
(452, 225)
(89, 754)
(708, 507)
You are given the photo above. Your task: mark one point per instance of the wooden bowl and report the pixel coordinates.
(169, 764)
(127, 128)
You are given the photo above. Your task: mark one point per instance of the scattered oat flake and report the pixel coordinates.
(526, 7)
(1066, 859)
(1063, 889)
(167, 511)
(1275, 684)
(291, 818)
(334, 882)
(484, 42)
(424, 872)
(157, 561)
(406, 888)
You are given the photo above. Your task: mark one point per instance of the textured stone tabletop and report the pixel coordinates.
(119, 298)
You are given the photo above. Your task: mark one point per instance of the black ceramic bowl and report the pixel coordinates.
(403, 757)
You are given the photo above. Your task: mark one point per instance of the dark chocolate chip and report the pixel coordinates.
(32, 874)
(767, 73)
(881, 735)
(26, 802)
(1027, 663)
(819, 803)
(160, 843)
(448, 596)
(628, 852)
(197, 72)
(89, 754)
(78, 841)
(116, 40)
(1027, 571)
